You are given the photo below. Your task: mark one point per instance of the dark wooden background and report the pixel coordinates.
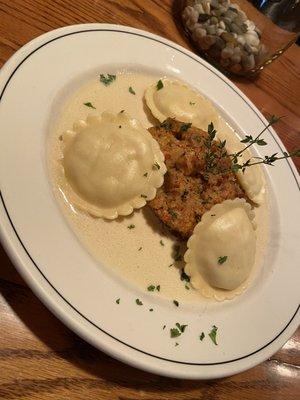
(39, 357)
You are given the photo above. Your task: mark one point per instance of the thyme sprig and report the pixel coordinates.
(211, 158)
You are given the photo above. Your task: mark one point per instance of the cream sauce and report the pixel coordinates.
(141, 255)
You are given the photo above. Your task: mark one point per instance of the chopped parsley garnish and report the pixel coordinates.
(118, 301)
(161, 243)
(172, 213)
(131, 90)
(192, 103)
(156, 166)
(176, 344)
(121, 112)
(89, 105)
(187, 287)
(140, 249)
(131, 226)
(213, 335)
(222, 259)
(169, 266)
(144, 196)
(150, 309)
(176, 303)
(166, 125)
(145, 174)
(202, 336)
(185, 127)
(174, 332)
(151, 288)
(181, 327)
(177, 255)
(107, 79)
(158, 288)
(138, 302)
(159, 85)
(164, 327)
(184, 276)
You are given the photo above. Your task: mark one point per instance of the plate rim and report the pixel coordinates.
(40, 42)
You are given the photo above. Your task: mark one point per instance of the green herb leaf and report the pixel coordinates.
(176, 303)
(187, 287)
(184, 276)
(166, 125)
(131, 90)
(261, 142)
(144, 196)
(107, 79)
(138, 302)
(118, 301)
(172, 213)
(176, 344)
(202, 336)
(150, 309)
(89, 105)
(213, 335)
(174, 332)
(156, 166)
(192, 103)
(140, 249)
(151, 288)
(158, 288)
(161, 242)
(181, 327)
(145, 174)
(177, 255)
(222, 259)
(164, 327)
(159, 85)
(185, 127)
(131, 226)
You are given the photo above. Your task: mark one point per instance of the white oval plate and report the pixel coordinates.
(65, 277)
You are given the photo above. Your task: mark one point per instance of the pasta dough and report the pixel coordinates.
(111, 165)
(221, 250)
(179, 101)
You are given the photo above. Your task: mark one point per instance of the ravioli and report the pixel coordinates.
(221, 251)
(111, 165)
(252, 180)
(174, 99)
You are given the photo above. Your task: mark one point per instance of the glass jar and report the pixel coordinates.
(241, 37)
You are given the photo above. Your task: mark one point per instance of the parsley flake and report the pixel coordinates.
(156, 166)
(121, 112)
(164, 327)
(159, 85)
(176, 303)
(174, 332)
(158, 288)
(140, 249)
(192, 103)
(138, 302)
(181, 327)
(166, 125)
(176, 344)
(213, 334)
(185, 127)
(187, 287)
(151, 288)
(172, 213)
(161, 243)
(131, 90)
(107, 79)
(144, 196)
(89, 105)
(202, 336)
(150, 309)
(118, 301)
(222, 259)
(145, 174)
(131, 226)
(184, 276)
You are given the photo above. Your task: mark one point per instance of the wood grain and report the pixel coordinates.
(39, 357)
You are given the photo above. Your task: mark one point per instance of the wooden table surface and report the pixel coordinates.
(39, 357)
